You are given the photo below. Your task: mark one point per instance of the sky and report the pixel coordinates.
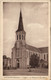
(35, 21)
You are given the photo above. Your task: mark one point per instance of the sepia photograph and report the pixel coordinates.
(25, 39)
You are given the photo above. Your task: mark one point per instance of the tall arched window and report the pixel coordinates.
(17, 37)
(44, 56)
(22, 37)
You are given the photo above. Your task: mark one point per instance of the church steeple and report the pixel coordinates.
(20, 33)
(20, 25)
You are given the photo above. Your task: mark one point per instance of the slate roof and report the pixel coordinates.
(32, 48)
(20, 25)
(44, 49)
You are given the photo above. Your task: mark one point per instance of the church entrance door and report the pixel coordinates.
(17, 65)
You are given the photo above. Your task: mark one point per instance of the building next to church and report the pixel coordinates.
(21, 51)
(6, 62)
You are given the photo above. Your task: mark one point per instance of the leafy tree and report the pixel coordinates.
(34, 61)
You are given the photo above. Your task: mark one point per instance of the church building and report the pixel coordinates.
(21, 51)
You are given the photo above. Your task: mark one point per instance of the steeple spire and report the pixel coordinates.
(20, 25)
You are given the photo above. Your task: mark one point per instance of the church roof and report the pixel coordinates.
(32, 48)
(20, 25)
(44, 49)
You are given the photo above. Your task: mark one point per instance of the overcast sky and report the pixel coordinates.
(35, 21)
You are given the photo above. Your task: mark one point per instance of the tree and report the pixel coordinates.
(4, 57)
(34, 61)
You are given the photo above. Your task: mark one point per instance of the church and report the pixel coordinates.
(21, 51)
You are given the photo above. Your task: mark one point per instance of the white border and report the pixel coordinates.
(1, 35)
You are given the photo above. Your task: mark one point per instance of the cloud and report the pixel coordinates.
(35, 25)
(36, 33)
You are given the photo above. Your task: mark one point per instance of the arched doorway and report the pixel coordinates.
(18, 65)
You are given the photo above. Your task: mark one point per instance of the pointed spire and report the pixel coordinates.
(20, 25)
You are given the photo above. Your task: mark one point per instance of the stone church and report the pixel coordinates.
(21, 51)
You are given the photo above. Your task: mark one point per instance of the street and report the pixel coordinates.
(26, 72)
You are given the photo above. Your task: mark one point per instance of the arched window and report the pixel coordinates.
(17, 37)
(17, 53)
(44, 56)
(22, 37)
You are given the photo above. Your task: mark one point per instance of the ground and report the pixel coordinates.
(26, 72)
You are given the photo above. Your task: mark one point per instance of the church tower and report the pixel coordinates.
(20, 45)
(19, 50)
(20, 33)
